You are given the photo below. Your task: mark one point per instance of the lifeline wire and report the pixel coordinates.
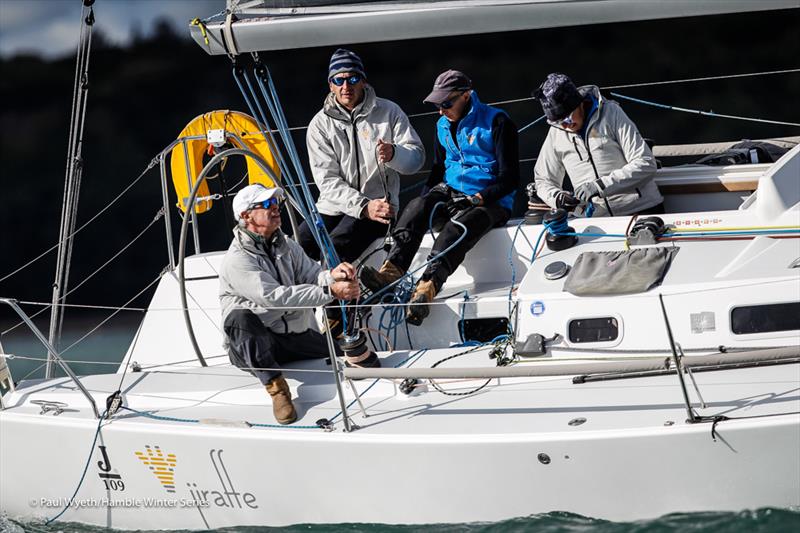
(152, 163)
(158, 216)
(704, 113)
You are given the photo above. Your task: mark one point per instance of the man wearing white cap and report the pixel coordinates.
(268, 289)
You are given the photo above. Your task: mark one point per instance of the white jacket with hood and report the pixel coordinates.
(616, 154)
(270, 278)
(341, 153)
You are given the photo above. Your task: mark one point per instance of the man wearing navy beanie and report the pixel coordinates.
(358, 146)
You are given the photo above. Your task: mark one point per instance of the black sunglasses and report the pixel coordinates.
(447, 104)
(352, 80)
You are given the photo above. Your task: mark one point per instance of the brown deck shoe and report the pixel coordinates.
(423, 295)
(282, 406)
(375, 280)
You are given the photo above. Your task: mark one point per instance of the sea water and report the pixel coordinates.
(757, 521)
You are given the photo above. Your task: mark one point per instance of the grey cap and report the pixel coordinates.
(446, 83)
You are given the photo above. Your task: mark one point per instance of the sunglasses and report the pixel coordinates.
(266, 204)
(564, 122)
(352, 80)
(447, 104)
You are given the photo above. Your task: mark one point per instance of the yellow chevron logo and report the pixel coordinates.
(162, 465)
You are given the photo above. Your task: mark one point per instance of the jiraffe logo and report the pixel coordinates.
(162, 465)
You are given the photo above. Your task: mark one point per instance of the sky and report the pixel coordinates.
(50, 28)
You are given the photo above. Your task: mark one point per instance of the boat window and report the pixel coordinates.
(483, 329)
(765, 318)
(602, 329)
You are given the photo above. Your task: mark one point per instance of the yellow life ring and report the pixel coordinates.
(247, 135)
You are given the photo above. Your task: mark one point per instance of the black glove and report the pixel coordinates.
(565, 200)
(458, 202)
(441, 188)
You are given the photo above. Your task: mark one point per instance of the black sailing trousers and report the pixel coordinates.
(350, 236)
(414, 222)
(251, 345)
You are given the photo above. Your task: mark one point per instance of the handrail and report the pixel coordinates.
(51, 350)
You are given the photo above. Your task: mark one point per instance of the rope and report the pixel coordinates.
(83, 474)
(158, 216)
(112, 315)
(73, 173)
(707, 78)
(152, 163)
(197, 420)
(704, 113)
(417, 354)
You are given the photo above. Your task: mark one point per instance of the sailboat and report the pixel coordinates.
(529, 389)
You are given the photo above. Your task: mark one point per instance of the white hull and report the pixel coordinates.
(415, 460)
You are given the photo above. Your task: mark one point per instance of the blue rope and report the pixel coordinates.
(83, 474)
(525, 127)
(536, 246)
(704, 113)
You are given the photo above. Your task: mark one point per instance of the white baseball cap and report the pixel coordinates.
(253, 194)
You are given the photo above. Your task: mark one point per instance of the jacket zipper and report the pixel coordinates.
(356, 149)
(591, 160)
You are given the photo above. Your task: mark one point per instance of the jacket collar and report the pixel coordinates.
(255, 244)
(333, 109)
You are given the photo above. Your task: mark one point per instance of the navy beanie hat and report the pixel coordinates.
(558, 96)
(344, 60)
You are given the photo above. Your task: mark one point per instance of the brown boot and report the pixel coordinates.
(375, 280)
(282, 406)
(423, 295)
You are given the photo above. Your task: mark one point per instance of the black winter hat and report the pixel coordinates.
(558, 95)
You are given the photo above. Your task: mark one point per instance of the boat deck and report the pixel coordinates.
(225, 397)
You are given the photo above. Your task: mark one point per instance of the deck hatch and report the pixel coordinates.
(601, 329)
(483, 329)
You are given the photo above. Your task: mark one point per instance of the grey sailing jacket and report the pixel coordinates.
(341, 153)
(269, 278)
(624, 163)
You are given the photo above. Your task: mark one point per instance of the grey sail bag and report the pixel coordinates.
(623, 272)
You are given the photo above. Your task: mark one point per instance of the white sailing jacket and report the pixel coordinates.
(623, 161)
(341, 153)
(269, 278)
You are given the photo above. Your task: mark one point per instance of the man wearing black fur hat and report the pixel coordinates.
(592, 140)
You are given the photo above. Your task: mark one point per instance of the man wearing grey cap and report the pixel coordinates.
(475, 174)
(592, 140)
(358, 146)
(268, 288)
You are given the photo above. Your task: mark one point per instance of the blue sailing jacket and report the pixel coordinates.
(471, 165)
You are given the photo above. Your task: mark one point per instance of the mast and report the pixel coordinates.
(72, 182)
